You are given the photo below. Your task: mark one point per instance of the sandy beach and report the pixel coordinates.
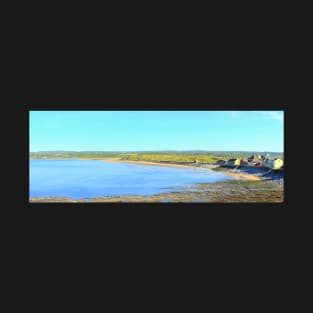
(148, 163)
(241, 175)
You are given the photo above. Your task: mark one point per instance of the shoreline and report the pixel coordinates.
(117, 160)
(243, 176)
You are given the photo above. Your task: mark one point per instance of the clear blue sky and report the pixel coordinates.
(156, 130)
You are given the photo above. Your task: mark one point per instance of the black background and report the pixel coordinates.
(149, 55)
(189, 76)
(176, 60)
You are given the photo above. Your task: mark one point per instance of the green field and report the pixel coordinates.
(202, 158)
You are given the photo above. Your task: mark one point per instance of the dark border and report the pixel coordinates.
(140, 104)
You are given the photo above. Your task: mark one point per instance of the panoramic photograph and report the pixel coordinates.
(156, 156)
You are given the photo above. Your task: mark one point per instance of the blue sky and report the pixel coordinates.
(156, 130)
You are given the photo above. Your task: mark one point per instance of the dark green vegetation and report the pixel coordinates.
(171, 156)
(227, 191)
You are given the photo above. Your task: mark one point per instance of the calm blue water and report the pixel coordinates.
(86, 179)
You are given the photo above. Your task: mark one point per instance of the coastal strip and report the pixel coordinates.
(225, 171)
(150, 163)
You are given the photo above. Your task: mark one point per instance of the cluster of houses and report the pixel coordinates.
(255, 160)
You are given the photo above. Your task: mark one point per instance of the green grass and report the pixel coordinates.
(170, 157)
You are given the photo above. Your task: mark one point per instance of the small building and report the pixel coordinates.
(243, 162)
(233, 162)
(274, 164)
(255, 160)
(221, 162)
(251, 158)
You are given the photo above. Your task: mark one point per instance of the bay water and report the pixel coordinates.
(79, 179)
